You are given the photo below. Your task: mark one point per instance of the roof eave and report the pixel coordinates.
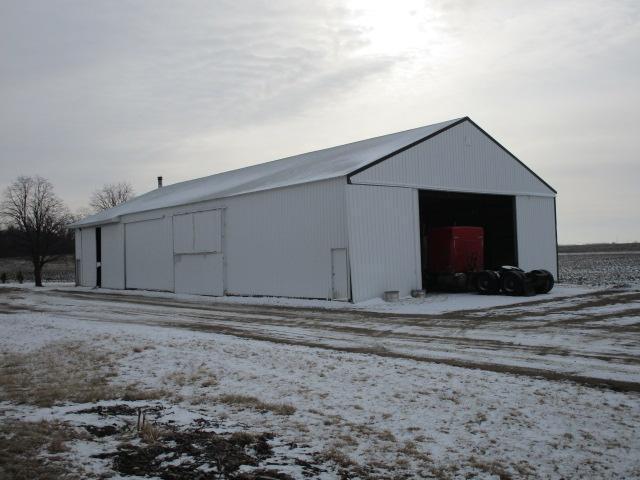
(95, 223)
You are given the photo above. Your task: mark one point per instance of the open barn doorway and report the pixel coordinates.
(494, 213)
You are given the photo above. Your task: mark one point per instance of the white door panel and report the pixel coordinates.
(148, 255)
(207, 228)
(199, 274)
(339, 274)
(183, 233)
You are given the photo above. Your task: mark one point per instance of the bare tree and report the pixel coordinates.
(39, 217)
(111, 195)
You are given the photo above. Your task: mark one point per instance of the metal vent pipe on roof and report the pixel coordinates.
(159, 182)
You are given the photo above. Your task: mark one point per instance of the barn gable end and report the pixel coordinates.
(462, 158)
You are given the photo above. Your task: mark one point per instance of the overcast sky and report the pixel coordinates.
(98, 92)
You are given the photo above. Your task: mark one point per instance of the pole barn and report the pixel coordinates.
(345, 223)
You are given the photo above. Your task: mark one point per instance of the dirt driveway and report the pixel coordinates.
(592, 339)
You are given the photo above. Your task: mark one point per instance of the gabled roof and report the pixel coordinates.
(308, 167)
(334, 162)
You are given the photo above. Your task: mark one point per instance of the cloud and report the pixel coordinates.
(101, 92)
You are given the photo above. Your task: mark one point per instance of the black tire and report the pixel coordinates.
(544, 280)
(512, 282)
(487, 282)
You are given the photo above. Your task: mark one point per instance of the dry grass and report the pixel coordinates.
(387, 436)
(333, 420)
(492, 467)
(201, 376)
(57, 373)
(243, 438)
(151, 433)
(257, 404)
(63, 372)
(28, 450)
(142, 348)
(409, 448)
(132, 393)
(336, 456)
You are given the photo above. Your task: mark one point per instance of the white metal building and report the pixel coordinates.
(345, 223)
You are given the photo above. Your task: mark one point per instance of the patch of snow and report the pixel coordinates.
(433, 303)
(436, 303)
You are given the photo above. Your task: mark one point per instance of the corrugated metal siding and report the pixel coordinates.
(183, 233)
(460, 159)
(279, 242)
(88, 261)
(149, 254)
(199, 274)
(198, 232)
(207, 231)
(275, 243)
(113, 256)
(536, 226)
(383, 240)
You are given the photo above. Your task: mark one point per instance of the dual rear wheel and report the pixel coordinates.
(543, 280)
(513, 281)
(488, 282)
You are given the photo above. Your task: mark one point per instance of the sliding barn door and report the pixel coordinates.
(197, 253)
(148, 255)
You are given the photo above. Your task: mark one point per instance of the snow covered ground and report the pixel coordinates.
(600, 268)
(431, 304)
(546, 388)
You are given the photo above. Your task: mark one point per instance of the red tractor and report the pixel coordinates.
(455, 262)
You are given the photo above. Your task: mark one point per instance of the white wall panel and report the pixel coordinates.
(199, 274)
(198, 232)
(88, 261)
(113, 255)
(279, 242)
(536, 229)
(207, 228)
(149, 255)
(459, 159)
(183, 233)
(275, 243)
(383, 240)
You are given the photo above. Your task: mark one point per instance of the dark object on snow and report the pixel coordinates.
(514, 281)
(104, 431)
(19, 277)
(391, 296)
(543, 280)
(488, 282)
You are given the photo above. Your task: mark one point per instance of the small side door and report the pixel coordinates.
(339, 274)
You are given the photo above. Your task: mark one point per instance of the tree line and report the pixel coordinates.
(34, 220)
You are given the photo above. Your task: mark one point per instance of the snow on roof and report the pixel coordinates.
(324, 164)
